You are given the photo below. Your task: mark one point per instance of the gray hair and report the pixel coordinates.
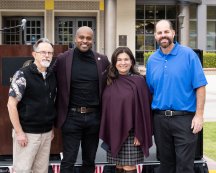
(41, 40)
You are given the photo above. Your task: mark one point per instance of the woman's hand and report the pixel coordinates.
(136, 142)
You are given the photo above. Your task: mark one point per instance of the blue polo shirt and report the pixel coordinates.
(173, 78)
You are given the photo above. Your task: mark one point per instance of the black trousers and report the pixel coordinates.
(176, 144)
(84, 129)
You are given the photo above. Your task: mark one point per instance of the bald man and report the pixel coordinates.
(81, 76)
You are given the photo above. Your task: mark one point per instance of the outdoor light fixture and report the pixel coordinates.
(181, 19)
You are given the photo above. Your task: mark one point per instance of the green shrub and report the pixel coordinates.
(146, 55)
(209, 59)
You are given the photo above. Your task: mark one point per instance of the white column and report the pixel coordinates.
(126, 18)
(49, 28)
(201, 26)
(110, 27)
(184, 34)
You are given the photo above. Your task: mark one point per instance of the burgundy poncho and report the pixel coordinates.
(126, 104)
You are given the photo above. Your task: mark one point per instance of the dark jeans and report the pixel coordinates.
(175, 142)
(84, 129)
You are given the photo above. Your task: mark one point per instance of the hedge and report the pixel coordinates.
(146, 56)
(209, 59)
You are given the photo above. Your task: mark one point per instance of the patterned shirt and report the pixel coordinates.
(18, 85)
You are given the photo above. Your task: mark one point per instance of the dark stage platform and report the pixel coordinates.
(150, 165)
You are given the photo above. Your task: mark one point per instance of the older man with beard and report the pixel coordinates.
(177, 82)
(32, 112)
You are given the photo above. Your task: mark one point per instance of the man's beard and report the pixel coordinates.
(45, 63)
(167, 44)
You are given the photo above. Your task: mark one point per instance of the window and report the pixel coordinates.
(66, 29)
(193, 34)
(211, 28)
(33, 30)
(146, 17)
(193, 27)
(12, 35)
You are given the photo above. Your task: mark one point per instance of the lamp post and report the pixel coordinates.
(181, 20)
(181, 26)
(22, 26)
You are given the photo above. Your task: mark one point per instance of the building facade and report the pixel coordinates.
(115, 22)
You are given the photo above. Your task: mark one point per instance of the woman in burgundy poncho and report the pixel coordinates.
(126, 126)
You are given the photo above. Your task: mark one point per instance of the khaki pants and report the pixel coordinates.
(34, 158)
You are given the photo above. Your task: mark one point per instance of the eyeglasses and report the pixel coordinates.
(44, 53)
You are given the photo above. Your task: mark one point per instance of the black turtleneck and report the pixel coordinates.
(84, 90)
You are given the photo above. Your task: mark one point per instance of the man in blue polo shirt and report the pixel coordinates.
(177, 82)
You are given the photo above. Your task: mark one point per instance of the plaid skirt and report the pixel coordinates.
(129, 154)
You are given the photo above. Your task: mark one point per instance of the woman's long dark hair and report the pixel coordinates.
(113, 72)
